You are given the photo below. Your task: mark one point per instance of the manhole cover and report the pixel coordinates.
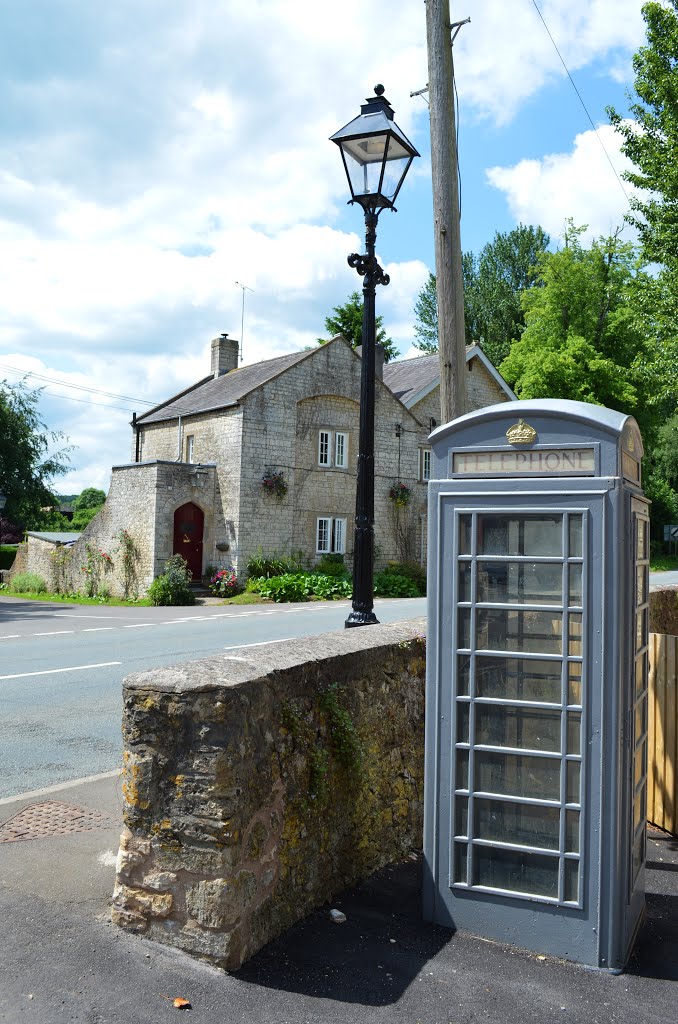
(51, 818)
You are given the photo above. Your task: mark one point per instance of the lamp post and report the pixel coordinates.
(377, 155)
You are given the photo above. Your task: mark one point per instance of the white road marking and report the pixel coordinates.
(55, 632)
(142, 625)
(53, 671)
(97, 629)
(262, 643)
(12, 636)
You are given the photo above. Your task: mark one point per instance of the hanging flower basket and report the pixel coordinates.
(273, 482)
(400, 494)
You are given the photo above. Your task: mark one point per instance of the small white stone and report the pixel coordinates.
(337, 916)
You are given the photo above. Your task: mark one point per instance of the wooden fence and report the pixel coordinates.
(662, 762)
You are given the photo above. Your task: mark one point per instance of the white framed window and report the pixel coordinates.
(190, 447)
(424, 463)
(324, 448)
(330, 536)
(340, 450)
(333, 448)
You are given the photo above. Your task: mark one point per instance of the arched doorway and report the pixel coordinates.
(189, 522)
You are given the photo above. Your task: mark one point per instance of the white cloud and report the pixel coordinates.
(505, 55)
(580, 184)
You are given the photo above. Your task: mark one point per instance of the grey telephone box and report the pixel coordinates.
(536, 731)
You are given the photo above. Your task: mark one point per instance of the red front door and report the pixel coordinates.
(189, 522)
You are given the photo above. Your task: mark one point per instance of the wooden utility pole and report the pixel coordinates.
(444, 168)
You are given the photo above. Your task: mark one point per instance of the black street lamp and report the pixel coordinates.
(377, 156)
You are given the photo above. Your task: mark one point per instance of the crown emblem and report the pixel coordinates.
(521, 433)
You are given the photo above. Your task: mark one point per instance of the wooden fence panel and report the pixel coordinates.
(662, 760)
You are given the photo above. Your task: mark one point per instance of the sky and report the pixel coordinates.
(156, 157)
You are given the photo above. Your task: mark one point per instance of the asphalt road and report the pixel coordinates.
(62, 666)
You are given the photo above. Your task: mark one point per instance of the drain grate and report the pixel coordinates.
(51, 818)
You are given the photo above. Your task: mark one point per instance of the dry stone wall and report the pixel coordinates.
(259, 785)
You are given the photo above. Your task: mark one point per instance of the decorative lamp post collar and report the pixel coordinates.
(376, 153)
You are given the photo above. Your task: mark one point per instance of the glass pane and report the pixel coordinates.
(574, 647)
(640, 724)
(641, 584)
(641, 674)
(640, 768)
(572, 831)
(531, 873)
(572, 881)
(462, 723)
(573, 732)
(465, 571)
(528, 632)
(637, 854)
(461, 816)
(575, 537)
(518, 679)
(463, 675)
(464, 535)
(520, 535)
(464, 628)
(526, 728)
(460, 862)
(574, 682)
(641, 539)
(517, 775)
(641, 629)
(521, 824)
(520, 582)
(573, 777)
(462, 769)
(639, 809)
(575, 591)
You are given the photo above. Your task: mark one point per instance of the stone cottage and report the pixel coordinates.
(262, 458)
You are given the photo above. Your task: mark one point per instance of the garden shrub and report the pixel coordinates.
(273, 565)
(173, 587)
(224, 582)
(331, 565)
(28, 583)
(391, 585)
(300, 586)
(412, 570)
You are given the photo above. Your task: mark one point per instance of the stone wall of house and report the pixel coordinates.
(481, 387)
(217, 439)
(281, 424)
(259, 785)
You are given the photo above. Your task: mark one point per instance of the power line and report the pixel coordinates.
(76, 387)
(572, 82)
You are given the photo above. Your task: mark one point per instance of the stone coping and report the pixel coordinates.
(234, 668)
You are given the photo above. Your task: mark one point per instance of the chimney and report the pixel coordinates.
(379, 353)
(224, 355)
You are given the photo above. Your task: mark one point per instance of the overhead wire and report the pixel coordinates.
(76, 387)
(581, 100)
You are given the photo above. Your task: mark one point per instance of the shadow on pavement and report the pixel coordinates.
(371, 959)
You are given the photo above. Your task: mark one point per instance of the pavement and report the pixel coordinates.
(62, 959)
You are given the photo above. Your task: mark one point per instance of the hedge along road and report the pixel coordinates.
(62, 666)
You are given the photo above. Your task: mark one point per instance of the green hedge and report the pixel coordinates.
(7, 555)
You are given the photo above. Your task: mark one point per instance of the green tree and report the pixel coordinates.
(85, 507)
(347, 320)
(582, 339)
(650, 139)
(29, 460)
(493, 284)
